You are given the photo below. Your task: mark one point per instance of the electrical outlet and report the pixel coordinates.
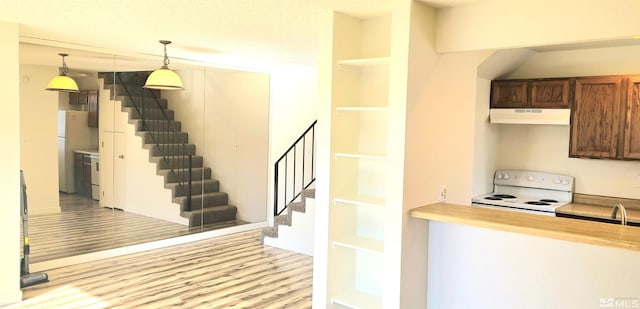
(443, 194)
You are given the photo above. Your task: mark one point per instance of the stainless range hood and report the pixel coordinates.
(530, 116)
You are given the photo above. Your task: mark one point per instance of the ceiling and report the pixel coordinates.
(255, 34)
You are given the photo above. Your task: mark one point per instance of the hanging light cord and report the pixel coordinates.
(65, 69)
(166, 58)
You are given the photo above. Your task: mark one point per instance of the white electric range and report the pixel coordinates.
(527, 191)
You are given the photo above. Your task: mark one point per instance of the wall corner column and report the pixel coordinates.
(10, 165)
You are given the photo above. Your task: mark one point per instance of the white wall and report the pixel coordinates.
(443, 136)
(323, 165)
(39, 138)
(473, 267)
(485, 142)
(546, 147)
(508, 24)
(580, 62)
(226, 115)
(293, 91)
(422, 59)
(237, 138)
(10, 165)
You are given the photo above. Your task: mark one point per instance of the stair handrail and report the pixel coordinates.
(304, 184)
(156, 143)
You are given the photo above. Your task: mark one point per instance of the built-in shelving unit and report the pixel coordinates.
(367, 67)
(359, 162)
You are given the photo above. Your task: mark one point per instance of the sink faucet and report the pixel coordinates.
(623, 213)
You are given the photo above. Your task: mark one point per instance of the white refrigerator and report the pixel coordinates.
(73, 134)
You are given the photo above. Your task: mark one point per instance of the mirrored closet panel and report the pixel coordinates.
(117, 164)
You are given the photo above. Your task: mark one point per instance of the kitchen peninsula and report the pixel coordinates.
(486, 258)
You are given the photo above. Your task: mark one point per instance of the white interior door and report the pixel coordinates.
(112, 180)
(119, 170)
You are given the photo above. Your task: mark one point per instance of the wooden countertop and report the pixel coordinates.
(88, 151)
(582, 231)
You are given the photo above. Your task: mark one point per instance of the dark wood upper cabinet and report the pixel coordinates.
(92, 107)
(605, 110)
(632, 121)
(533, 93)
(509, 94)
(78, 98)
(596, 119)
(554, 93)
(90, 98)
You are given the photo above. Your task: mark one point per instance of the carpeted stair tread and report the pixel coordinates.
(170, 149)
(204, 200)
(156, 125)
(297, 206)
(197, 187)
(308, 193)
(177, 162)
(216, 214)
(270, 232)
(285, 219)
(282, 220)
(183, 175)
(166, 137)
(148, 113)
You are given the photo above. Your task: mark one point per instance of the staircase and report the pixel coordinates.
(184, 173)
(294, 230)
(294, 196)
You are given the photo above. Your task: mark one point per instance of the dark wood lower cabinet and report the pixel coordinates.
(82, 174)
(78, 173)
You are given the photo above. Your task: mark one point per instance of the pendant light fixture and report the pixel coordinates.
(163, 78)
(63, 82)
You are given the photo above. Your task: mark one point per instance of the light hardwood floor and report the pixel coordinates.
(233, 271)
(84, 227)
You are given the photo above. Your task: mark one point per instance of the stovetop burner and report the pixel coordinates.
(493, 198)
(503, 196)
(546, 200)
(537, 203)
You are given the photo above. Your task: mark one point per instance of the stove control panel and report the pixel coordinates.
(531, 179)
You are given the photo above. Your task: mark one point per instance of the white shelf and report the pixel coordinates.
(364, 63)
(359, 243)
(357, 300)
(362, 109)
(360, 200)
(360, 156)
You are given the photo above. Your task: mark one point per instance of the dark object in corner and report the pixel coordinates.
(27, 279)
